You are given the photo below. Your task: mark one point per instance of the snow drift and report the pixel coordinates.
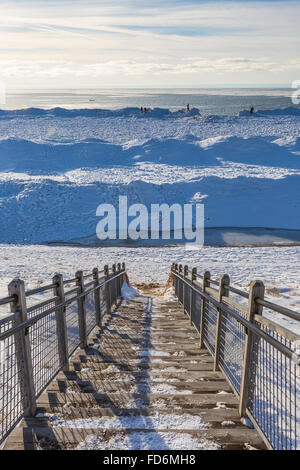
(50, 188)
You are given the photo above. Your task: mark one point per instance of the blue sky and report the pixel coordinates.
(88, 43)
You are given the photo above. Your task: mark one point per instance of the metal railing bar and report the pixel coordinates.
(69, 281)
(7, 300)
(237, 291)
(199, 276)
(92, 289)
(7, 319)
(86, 276)
(229, 288)
(39, 289)
(278, 308)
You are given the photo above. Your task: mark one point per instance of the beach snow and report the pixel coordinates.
(57, 166)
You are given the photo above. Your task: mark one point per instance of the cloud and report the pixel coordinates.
(155, 39)
(196, 65)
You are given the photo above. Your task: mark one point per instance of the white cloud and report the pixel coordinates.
(100, 39)
(52, 68)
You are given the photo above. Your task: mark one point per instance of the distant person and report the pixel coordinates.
(145, 110)
(142, 109)
(187, 108)
(251, 110)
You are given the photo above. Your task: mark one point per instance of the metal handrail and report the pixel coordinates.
(7, 300)
(69, 281)
(86, 276)
(258, 356)
(237, 291)
(278, 308)
(227, 288)
(52, 340)
(250, 326)
(39, 289)
(30, 322)
(214, 282)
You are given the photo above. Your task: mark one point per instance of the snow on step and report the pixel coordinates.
(148, 441)
(155, 421)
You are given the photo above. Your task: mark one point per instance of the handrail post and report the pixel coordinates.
(257, 290)
(185, 275)
(223, 281)
(114, 270)
(205, 283)
(180, 281)
(119, 280)
(61, 324)
(176, 280)
(193, 279)
(123, 277)
(97, 297)
(107, 289)
(171, 273)
(81, 310)
(23, 347)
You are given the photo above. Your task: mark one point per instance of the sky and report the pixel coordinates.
(148, 43)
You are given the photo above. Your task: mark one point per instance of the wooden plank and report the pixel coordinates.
(66, 438)
(207, 414)
(55, 399)
(88, 386)
(94, 374)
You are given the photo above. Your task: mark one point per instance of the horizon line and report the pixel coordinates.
(212, 87)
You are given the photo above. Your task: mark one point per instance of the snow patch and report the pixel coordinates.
(128, 292)
(155, 421)
(147, 441)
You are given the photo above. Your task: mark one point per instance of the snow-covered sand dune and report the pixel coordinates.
(57, 166)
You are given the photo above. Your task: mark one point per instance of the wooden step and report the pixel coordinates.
(207, 414)
(137, 400)
(67, 439)
(90, 386)
(161, 374)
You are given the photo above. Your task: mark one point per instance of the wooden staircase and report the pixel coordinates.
(143, 383)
